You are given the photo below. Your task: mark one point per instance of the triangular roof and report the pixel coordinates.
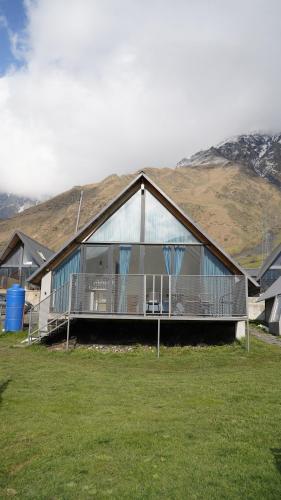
(116, 203)
(269, 260)
(272, 291)
(35, 249)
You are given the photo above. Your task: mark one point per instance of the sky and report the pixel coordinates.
(89, 88)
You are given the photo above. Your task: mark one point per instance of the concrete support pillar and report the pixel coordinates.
(240, 330)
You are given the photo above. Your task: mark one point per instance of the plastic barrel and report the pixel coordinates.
(15, 299)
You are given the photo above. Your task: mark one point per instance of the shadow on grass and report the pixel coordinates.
(277, 457)
(132, 332)
(3, 386)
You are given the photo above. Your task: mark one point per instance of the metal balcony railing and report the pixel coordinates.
(147, 295)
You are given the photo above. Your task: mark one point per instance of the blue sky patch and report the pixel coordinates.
(13, 20)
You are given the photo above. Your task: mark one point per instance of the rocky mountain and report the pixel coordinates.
(12, 204)
(260, 152)
(227, 199)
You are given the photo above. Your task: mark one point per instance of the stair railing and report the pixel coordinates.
(51, 309)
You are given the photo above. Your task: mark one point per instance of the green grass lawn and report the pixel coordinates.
(198, 423)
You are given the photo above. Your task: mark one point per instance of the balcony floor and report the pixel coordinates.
(154, 317)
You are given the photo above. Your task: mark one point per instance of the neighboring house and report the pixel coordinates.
(253, 272)
(270, 270)
(272, 299)
(21, 257)
(141, 257)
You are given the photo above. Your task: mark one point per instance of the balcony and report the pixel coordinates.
(108, 295)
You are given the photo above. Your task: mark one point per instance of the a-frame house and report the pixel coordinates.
(142, 257)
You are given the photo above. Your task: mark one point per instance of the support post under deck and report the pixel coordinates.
(158, 338)
(247, 312)
(69, 311)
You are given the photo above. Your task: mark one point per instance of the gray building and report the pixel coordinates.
(270, 271)
(272, 299)
(20, 258)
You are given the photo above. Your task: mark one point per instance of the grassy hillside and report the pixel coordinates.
(229, 202)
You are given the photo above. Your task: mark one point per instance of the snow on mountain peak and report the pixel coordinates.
(261, 152)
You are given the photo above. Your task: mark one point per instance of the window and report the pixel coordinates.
(124, 225)
(154, 260)
(133, 256)
(27, 258)
(269, 277)
(14, 258)
(191, 261)
(161, 226)
(97, 259)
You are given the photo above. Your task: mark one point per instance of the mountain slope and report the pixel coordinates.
(260, 152)
(11, 204)
(228, 202)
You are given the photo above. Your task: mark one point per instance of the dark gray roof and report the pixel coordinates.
(272, 291)
(138, 180)
(268, 261)
(253, 272)
(39, 253)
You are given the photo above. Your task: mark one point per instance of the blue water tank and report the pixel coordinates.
(15, 299)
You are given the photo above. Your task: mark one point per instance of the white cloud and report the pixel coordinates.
(110, 87)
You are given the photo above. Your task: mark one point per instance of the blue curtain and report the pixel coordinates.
(213, 266)
(179, 253)
(124, 264)
(219, 290)
(61, 276)
(167, 256)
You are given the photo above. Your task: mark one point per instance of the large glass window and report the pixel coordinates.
(97, 261)
(147, 259)
(191, 261)
(161, 226)
(129, 253)
(14, 258)
(269, 277)
(124, 225)
(213, 266)
(154, 260)
(27, 257)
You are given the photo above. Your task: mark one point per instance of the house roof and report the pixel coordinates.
(118, 201)
(272, 291)
(268, 261)
(253, 272)
(39, 253)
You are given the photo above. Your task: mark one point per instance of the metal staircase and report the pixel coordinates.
(47, 317)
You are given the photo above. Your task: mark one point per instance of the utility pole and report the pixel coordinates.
(79, 210)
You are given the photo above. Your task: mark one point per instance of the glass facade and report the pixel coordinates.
(144, 237)
(126, 224)
(97, 259)
(17, 267)
(143, 259)
(27, 257)
(123, 225)
(161, 226)
(15, 257)
(269, 278)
